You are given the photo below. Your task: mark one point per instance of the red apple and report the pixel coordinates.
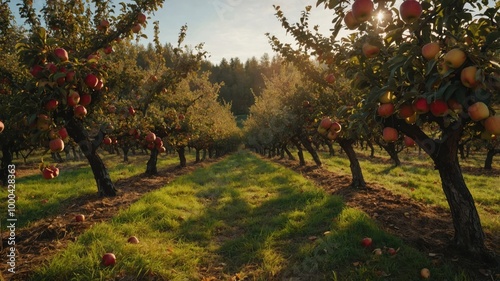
(154, 78)
(51, 105)
(336, 127)
(430, 50)
(108, 259)
(455, 58)
(392, 251)
(141, 18)
(330, 78)
(366, 242)
(385, 109)
(390, 134)
(73, 98)
(409, 142)
(136, 28)
(55, 171)
(162, 149)
(150, 137)
(468, 77)
(362, 9)
(350, 21)
(56, 145)
(421, 106)
(369, 50)
(491, 124)
(158, 141)
(52, 68)
(326, 122)
(439, 108)
(410, 11)
(478, 111)
(85, 99)
(107, 140)
(48, 173)
(406, 110)
(61, 53)
(2, 126)
(63, 133)
(70, 75)
(131, 110)
(104, 23)
(133, 240)
(80, 111)
(36, 70)
(91, 80)
(80, 218)
(108, 49)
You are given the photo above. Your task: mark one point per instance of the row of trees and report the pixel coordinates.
(426, 73)
(74, 74)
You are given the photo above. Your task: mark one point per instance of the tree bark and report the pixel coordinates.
(358, 181)
(288, 153)
(300, 153)
(331, 150)
(77, 132)
(151, 167)
(181, 151)
(310, 149)
(197, 155)
(125, 149)
(489, 158)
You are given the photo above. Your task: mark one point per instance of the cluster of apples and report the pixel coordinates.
(362, 10)
(153, 142)
(109, 259)
(329, 128)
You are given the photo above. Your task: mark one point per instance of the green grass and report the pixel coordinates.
(417, 179)
(38, 198)
(242, 218)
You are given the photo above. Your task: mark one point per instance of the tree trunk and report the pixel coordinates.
(7, 158)
(300, 153)
(181, 151)
(151, 167)
(77, 132)
(204, 155)
(489, 158)
(358, 181)
(126, 149)
(197, 155)
(310, 149)
(288, 153)
(331, 150)
(372, 149)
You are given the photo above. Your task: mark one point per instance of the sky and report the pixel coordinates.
(232, 28)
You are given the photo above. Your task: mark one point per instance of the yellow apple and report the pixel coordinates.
(430, 50)
(468, 77)
(455, 58)
(492, 124)
(478, 111)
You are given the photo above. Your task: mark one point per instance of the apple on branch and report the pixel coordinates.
(455, 58)
(410, 11)
(350, 21)
(362, 10)
(369, 50)
(478, 111)
(431, 50)
(390, 134)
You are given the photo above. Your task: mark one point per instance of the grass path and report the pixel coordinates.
(243, 218)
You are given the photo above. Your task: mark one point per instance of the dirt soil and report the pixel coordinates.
(426, 227)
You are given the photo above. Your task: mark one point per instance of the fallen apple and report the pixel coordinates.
(108, 259)
(366, 242)
(80, 218)
(133, 240)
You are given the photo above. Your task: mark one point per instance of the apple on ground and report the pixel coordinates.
(491, 124)
(377, 252)
(392, 251)
(385, 109)
(56, 145)
(425, 273)
(410, 11)
(369, 50)
(478, 111)
(108, 259)
(48, 173)
(133, 240)
(430, 50)
(390, 134)
(362, 10)
(455, 58)
(366, 242)
(80, 218)
(55, 171)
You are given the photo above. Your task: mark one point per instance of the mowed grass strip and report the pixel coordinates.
(38, 198)
(243, 218)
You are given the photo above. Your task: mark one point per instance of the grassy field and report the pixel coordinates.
(243, 218)
(417, 179)
(38, 198)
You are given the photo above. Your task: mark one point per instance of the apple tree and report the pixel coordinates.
(438, 62)
(65, 64)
